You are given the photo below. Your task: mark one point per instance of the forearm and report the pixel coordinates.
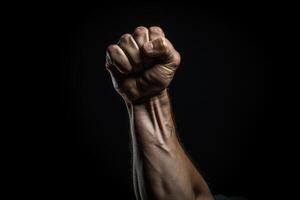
(161, 168)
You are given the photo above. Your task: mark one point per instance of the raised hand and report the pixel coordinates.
(143, 64)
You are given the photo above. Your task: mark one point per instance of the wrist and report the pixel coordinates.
(162, 97)
(145, 116)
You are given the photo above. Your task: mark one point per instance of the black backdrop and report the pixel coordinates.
(221, 95)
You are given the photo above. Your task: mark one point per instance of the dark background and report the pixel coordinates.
(221, 95)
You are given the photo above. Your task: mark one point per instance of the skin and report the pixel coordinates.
(142, 65)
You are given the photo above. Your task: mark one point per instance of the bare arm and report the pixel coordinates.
(161, 168)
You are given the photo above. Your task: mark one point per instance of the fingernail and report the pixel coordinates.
(148, 46)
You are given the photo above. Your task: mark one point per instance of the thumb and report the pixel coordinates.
(160, 47)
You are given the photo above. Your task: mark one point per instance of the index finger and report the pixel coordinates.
(155, 32)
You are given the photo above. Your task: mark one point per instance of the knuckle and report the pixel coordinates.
(140, 30)
(155, 29)
(112, 47)
(125, 38)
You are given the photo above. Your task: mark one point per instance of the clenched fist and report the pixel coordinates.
(143, 64)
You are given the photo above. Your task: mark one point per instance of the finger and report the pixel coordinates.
(155, 32)
(119, 59)
(131, 49)
(141, 35)
(160, 47)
